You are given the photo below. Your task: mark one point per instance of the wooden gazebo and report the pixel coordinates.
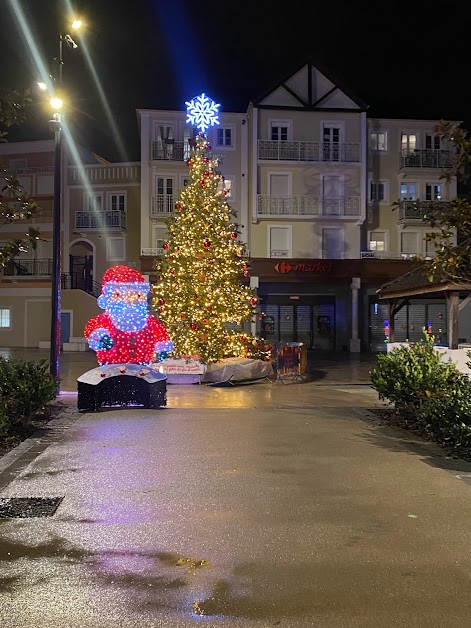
(416, 284)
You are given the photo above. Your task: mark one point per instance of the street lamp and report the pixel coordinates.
(55, 125)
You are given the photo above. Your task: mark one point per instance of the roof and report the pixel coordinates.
(327, 73)
(416, 282)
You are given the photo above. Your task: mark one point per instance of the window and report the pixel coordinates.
(227, 184)
(279, 131)
(409, 243)
(408, 143)
(189, 134)
(432, 141)
(332, 243)
(5, 318)
(164, 200)
(224, 136)
(379, 140)
(433, 192)
(331, 138)
(160, 236)
(117, 201)
(377, 241)
(279, 184)
(431, 248)
(408, 191)
(45, 184)
(115, 249)
(164, 141)
(94, 202)
(377, 191)
(279, 241)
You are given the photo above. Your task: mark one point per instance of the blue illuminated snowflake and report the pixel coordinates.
(202, 112)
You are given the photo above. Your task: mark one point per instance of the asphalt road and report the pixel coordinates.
(257, 506)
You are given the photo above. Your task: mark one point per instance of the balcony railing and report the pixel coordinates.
(415, 210)
(427, 158)
(171, 150)
(31, 170)
(149, 252)
(40, 215)
(386, 255)
(309, 151)
(343, 206)
(105, 173)
(76, 281)
(108, 219)
(159, 251)
(28, 267)
(162, 205)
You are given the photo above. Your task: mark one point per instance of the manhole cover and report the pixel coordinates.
(28, 507)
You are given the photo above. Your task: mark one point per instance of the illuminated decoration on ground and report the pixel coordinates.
(202, 112)
(126, 333)
(202, 295)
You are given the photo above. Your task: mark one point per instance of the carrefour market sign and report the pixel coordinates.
(320, 266)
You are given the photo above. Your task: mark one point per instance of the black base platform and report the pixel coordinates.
(118, 385)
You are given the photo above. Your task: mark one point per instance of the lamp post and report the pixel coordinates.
(56, 126)
(54, 356)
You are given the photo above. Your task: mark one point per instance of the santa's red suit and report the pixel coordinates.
(134, 347)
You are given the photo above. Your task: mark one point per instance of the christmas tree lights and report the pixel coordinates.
(125, 332)
(200, 292)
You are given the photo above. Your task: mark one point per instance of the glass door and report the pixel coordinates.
(331, 142)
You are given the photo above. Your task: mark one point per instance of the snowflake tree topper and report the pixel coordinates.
(202, 112)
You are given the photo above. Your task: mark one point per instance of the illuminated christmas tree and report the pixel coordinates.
(200, 290)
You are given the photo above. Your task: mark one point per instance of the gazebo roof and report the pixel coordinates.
(416, 282)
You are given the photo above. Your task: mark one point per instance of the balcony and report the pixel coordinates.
(41, 215)
(30, 170)
(149, 252)
(428, 158)
(307, 206)
(415, 211)
(170, 150)
(107, 219)
(158, 251)
(104, 173)
(28, 268)
(309, 151)
(163, 205)
(387, 255)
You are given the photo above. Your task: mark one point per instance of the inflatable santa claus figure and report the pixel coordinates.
(126, 333)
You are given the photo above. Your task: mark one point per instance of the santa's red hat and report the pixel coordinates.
(122, 274)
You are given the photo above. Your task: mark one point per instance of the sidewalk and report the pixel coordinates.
(255, 506)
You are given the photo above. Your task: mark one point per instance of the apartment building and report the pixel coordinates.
(99, 227)
(312, 178)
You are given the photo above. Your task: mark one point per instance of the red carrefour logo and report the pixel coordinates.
(283, 267)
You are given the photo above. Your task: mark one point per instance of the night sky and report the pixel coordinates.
(159, 53)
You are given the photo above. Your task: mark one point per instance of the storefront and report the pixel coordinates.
(330, 305)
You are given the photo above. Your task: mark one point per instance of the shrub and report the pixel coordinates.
(434, 392)
(446, 416)
(25, 388)
(406, 376)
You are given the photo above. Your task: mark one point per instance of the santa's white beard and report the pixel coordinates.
(129, 319)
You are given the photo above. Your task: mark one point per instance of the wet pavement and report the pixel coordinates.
(254, 506)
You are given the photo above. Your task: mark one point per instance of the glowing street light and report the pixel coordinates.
(56, 102)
